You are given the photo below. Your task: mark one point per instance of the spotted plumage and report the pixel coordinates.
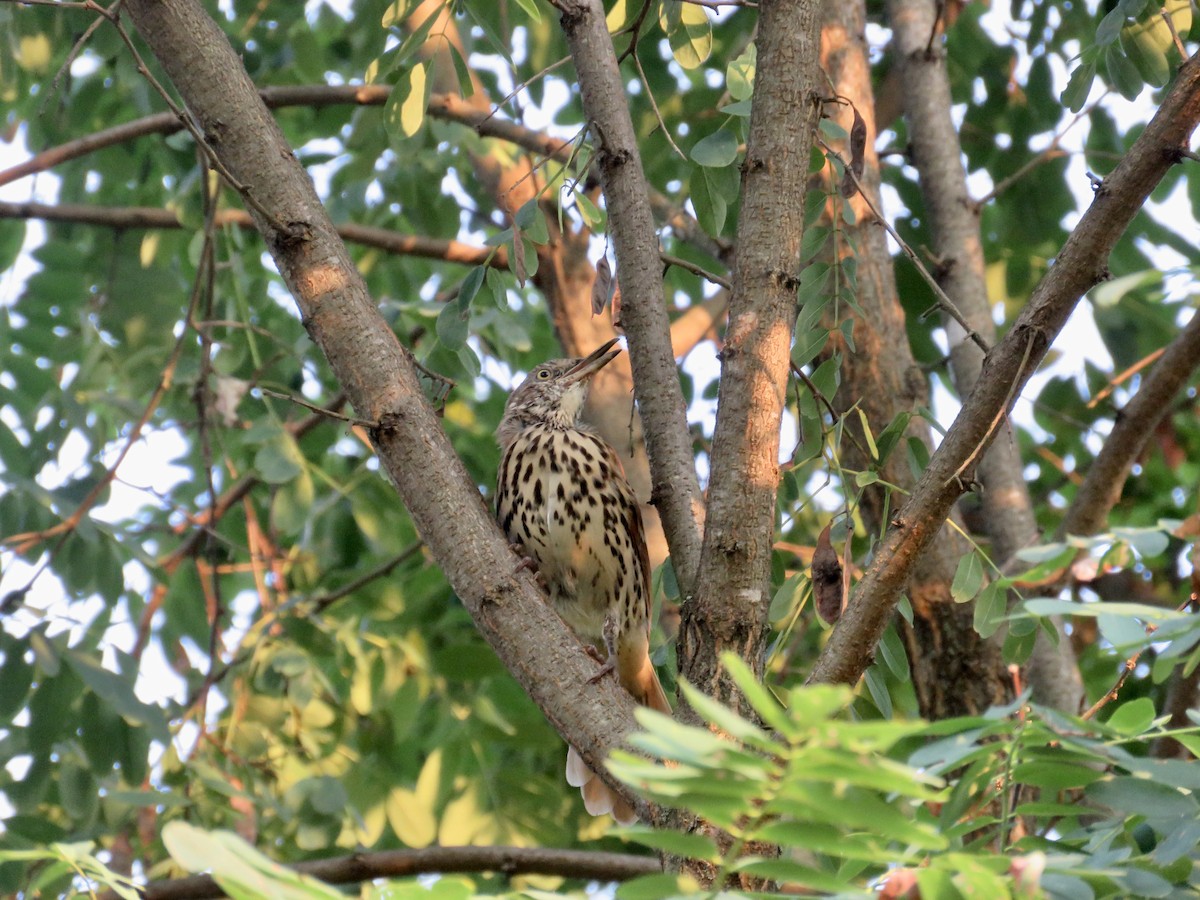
(562, 496)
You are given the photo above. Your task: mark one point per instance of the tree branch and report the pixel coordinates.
(732, 593)
(127, 217)
(382, 384)
(1134, 426)
(1080, 265)
(449, 107)
(676, 490)
(359, 867)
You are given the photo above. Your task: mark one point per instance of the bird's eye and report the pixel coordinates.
(543, 374)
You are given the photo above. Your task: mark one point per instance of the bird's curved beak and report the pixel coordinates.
(592, 363)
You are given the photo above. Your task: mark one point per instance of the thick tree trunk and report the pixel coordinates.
(729, 610)
(954, 671)
(958, 246)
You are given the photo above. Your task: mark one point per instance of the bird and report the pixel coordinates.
(563, 502)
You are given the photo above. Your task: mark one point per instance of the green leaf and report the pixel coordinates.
(1079, 85)
(589, 211)
(531, 9)
(12, 237)
(891, 650)
(717, 149)
(1122, 74)
(968, 578)
(1134, 717)
(1019, 641)
(739, 74)
(279, 459)
(708, 202)
(532, 222)
(989, 609)
(656, 887)
(787, 597)
(878, 689)
(16, 675)
(118, 693)
(1148, 542)
(452, 324)
(693, 846)
(1042, 606)
(237, 867)
(727, 720)
(1141, 797)
(462, 72)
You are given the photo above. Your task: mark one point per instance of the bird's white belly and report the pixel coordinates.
(573, 557)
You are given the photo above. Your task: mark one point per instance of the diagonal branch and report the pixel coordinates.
(1081, 264)
(1135, 425)
(382, 384)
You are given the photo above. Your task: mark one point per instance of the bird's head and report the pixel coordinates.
(553, 393)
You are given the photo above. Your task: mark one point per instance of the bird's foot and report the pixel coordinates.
(609, 666)
(527, 564)
(609, 663)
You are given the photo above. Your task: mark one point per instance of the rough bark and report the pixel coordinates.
(1079, 266)
(954, 672)
(676, 491)
(381, 382)
(729, 610)
(958, 247)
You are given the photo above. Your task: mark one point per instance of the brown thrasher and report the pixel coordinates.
(561, 495)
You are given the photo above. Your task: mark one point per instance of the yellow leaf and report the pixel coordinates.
(411, 819)
(405, 110)
(33, 53)
(149, 249)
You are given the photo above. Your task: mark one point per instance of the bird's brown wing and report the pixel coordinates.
(636, 670)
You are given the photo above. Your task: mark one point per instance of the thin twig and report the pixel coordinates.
(1128, 667)
(696, 270)
(187, 123)
(57, 4)
(320, 410)
(1000, 416)
(1052, 151)
(75, 51)
(24, 542)
(943, 301)
(204, 285)
(1183, 54)
(1118, 379)
(654, 106)
(323, 602)
(522, 86)
(634, 30)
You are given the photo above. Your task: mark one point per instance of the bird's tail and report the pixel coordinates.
(598, 797)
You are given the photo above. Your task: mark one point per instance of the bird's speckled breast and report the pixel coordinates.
(551, 497)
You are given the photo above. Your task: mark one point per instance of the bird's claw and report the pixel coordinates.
(609, 666)
(609, 662)
(527, 564)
